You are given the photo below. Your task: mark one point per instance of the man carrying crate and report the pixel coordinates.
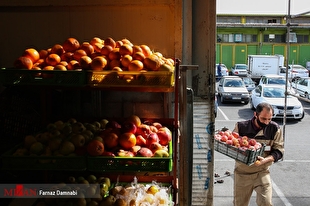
(257, 176)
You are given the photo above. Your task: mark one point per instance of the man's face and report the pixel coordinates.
(264, 117)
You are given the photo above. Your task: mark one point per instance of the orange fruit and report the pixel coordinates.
(127, 140)
(64, 63)
(32, 54)
(85, 62)
(95, 40)
(118, 43)
(60, 67)
(134, 119)
(73, 65)
(67, 56)
(105, 50)
(125, 49)
(87, 47)
(118, 69)
(71, 44)
(139, 56)
(114, 54)
(109, 41)
(78, 54)
(40, 63)
(52, 59)
(23, 63)
(146, 50)
(136, 48)
(57, 49)
(98, 47)
(135, 65)
(98, 63)
(126, 60)
(152, 62)
(48, 68)
(43, 53)
(95, 54)
(126, 41)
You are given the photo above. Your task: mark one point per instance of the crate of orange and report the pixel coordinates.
(13, 76)
(130, 78)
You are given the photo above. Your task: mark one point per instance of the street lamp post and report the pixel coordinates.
(288, 26)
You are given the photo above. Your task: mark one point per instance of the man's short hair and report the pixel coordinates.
(263, 105)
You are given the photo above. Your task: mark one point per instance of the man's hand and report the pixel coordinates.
(261, 160)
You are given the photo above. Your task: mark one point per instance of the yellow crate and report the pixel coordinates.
(132, 79)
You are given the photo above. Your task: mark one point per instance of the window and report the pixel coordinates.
(272, 21)
(302, 38)
(231, 38)
(277, 38)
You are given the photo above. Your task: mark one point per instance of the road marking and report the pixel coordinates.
(226, 118)
(280, 194)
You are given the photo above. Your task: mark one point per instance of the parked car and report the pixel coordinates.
(249, 83)
(297, 71)
(302, 87)
(232, 89)
(277, 80)
(275, 95)
(239, 70)
(224, 70)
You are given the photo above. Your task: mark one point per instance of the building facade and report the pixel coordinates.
(241, 35)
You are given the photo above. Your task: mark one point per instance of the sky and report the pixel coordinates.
(261, 6)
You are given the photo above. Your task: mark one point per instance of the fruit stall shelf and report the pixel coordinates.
(10, 161)
(33, 162)
(131, 80)
(246, 156)
(12, 76)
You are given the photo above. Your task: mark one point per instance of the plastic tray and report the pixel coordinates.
(138, 164)
(133, 79)
(12, 76)
(68, 163)
(246, 156)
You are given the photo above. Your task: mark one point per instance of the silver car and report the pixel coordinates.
(232, 89)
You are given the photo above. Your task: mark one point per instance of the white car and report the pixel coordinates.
(275, 95)
(224, 70)
(302, 87)
(232, 89)
(277, 80)
(240, 70)
(297, 71)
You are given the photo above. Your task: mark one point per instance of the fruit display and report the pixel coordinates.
(98, 190)
(98, 54)
(100, 62)
(238, 147)
(72, 139)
